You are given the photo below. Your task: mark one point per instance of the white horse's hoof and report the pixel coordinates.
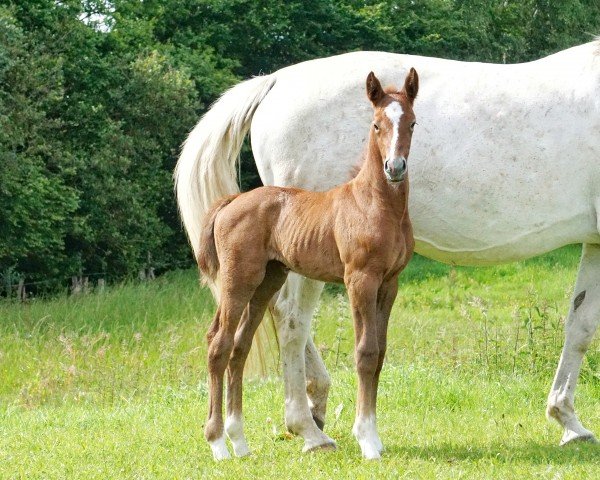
(329, 445)
(219, 449)
(571, 437)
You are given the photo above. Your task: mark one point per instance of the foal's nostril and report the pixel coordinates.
(395, 168)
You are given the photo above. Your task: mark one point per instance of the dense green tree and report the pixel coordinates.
(89, 141)
(36, 205)
(96, 97)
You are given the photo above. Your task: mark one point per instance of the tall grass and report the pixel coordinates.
(508, 318)
(106, 346)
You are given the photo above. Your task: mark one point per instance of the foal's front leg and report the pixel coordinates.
(362, 290)
(385, 300)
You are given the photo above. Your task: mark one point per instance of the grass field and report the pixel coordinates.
(113, 384)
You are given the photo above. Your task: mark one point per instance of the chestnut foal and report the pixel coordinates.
(358, 233)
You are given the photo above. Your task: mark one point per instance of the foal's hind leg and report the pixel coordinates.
(253, 314)
(581, 324)
(237, 290)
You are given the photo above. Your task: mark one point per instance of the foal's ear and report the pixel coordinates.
(411, 85)
(374, 90)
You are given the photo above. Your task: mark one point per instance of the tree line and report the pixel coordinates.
(96, 97)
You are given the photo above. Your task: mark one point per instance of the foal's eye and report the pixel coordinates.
(376, 127)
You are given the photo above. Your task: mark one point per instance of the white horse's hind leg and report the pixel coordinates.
(292, 320)
(583, 319)
(317, 382)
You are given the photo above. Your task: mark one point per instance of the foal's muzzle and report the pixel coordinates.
(395, 169)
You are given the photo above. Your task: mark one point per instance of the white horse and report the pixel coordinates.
(505, 165)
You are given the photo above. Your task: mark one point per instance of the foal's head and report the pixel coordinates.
(393, 122)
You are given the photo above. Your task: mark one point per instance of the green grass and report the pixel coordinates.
(113, 384)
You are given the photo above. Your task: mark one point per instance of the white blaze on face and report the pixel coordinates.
(394, 112)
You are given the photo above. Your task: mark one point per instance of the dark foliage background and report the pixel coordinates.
(96, 97)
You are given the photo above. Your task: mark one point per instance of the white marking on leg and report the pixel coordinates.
(394, 112)
(365, 431)
(234, 427)
(219, 449)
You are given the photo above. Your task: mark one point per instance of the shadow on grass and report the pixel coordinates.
(527, 452)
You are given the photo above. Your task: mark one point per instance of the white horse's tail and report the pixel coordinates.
(206, 172)
(206, 169)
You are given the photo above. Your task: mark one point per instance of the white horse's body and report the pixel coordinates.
(505, 164)
(496, 151)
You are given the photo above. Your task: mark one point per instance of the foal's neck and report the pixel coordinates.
(371, 180)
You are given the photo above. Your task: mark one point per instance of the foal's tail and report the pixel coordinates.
(206, 172)
(206, 254)
(206, 169)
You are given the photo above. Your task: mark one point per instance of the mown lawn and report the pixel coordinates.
(113, 384)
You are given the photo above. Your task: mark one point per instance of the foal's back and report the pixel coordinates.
(288, 225)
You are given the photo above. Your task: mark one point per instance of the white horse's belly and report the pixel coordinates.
(498, 172)
(491, 203)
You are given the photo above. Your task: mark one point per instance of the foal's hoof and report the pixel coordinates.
(244, 454)
(571, 438)
(323, 447)
(241, 451)
(320, 423)
(219, 449)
